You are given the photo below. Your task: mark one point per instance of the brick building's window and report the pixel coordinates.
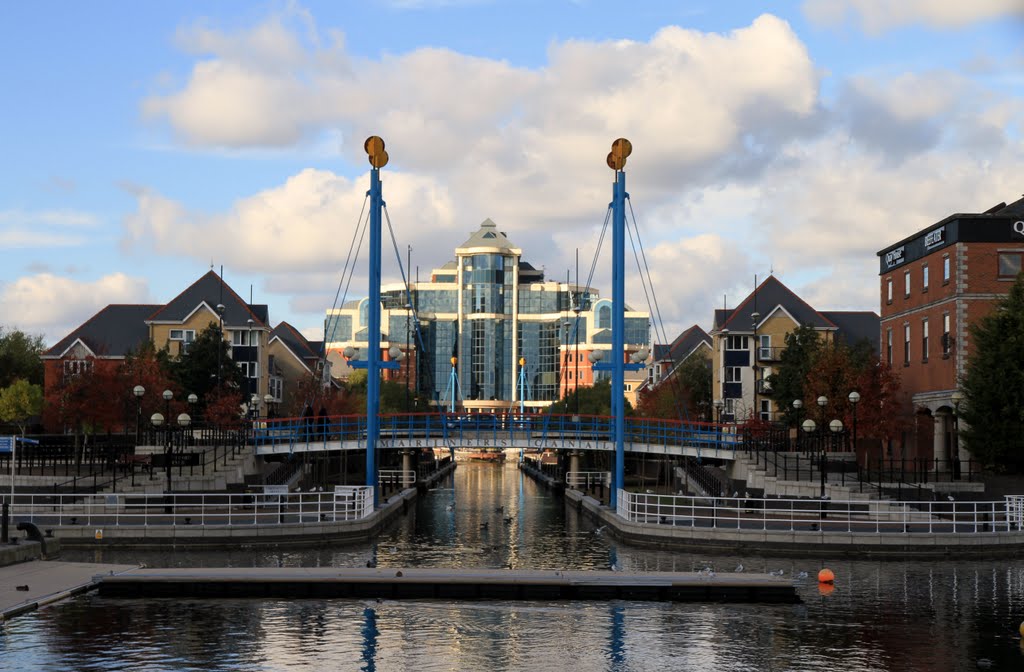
(924, 340)
(924, 278)
(888, 346)
(906, 345)
(906, 283)
(1010, 264)
(945, 268)
(888, 290)
(947, 344)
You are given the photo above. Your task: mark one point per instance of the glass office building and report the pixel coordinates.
(489, 310)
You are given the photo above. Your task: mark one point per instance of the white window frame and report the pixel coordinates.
(946, 346)
(733, 372)
(888, 346)
(924, 339)
(730, 406)
(906, 283)
(184, 335)
(945, 268)
(924, 278)
(906, 343)
(276, 388)
(730, 343)
(765, 346)
(765, 412)
(888, 287)
(249, 369)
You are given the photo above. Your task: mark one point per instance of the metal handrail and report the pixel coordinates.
(220, 508)
(816, 515)
(588, 479)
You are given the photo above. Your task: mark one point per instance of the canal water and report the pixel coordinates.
(884, 615)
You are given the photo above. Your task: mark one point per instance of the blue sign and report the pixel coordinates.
(6, 444)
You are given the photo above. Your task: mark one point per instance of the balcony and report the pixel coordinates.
(772, 354)
(764, 387)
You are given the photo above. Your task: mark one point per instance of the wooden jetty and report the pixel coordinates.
(30, 585)
(448, 584)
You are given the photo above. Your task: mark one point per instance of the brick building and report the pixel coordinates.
(933, 286)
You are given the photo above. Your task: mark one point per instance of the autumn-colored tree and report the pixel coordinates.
(684, 395)
(19, 402)
(836, 371)
(95, 399)
(223, 408)
(149, 368)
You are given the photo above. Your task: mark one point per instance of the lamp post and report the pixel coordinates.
(854, 397)
(193, 399)
(220, 334)
(254, 406)
(809, 427)
(138, 391)
(268, 399)
(954, 452)
(798, 405)
(408, 365)
(836, 426)
(822, 403)
(719, 405)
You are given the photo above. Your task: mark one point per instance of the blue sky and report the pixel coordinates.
(143, 142)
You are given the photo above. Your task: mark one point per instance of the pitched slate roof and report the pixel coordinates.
(683, 344)
(113, 332)
(210, 289)
(1015, 208)
(767, 297)
(291, 338)
(856, 325)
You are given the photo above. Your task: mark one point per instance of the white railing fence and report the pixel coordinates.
(813, 515)
(405, 477)
(588, 479)
(345, 503)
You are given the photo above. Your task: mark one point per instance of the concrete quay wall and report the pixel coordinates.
(800, 543)
(231, 536)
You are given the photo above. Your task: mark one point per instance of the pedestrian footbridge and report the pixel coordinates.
(495, 432)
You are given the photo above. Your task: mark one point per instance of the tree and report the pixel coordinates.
(20, 357)
(196, 371)
(594, 400)
(992, 413)
(787, 383)
(685, 393)
(151, 369)
(19, 402)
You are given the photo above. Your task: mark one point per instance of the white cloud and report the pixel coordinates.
(62, 218)
(55, 305)
(20, 238)
(877, 16)
(738, 165)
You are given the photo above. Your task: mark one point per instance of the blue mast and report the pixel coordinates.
(374, 147)
(621, 148)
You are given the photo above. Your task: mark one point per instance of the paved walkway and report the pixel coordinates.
(45, 581)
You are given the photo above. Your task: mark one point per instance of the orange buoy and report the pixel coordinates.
(826, 576)
(1022, 629)
(826, 589)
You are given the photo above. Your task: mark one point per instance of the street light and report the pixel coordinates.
(854, 398)
(954, 456)
(193, 399)
(798, 404)
(268, 399)
(254, 406)
(138, 391)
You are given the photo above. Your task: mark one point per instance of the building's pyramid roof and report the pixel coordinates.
(113, 332)
(489, 236)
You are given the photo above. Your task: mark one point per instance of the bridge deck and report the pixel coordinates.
(463, 584)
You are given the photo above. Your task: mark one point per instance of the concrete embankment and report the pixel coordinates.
(802, 543)
(297, 533)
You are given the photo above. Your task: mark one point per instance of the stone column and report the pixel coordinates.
(574, 461)
(407, 467)
(939, 441)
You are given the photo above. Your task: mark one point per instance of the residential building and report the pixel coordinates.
(487, 311)
(747, 344)
(107, 337)
(933, 285)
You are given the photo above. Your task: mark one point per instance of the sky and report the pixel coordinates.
(143, 143)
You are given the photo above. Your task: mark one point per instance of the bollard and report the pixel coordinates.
(5, 521)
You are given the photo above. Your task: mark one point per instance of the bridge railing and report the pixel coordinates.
(309, 431)
(220, 508)
(809, 515)
(588, 479)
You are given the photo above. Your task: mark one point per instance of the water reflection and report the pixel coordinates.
(887, 615)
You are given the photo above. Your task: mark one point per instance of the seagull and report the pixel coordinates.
(950, 498)
(735, 493)
(450, 507)
(802, 575)
(599, 530)
(650, 492)
(739, 568)
(615, 567)
(778, 572)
